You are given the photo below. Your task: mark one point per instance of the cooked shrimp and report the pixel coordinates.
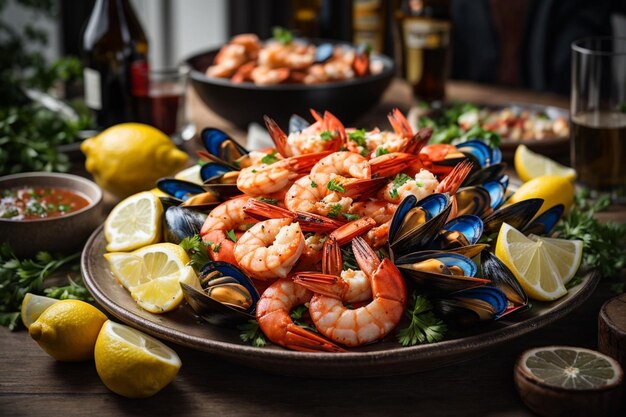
(366, 324)
(326, 134)
(227, 217)
(270, 248)
(326, 194)
(269, 76)
(381, 211)
(424, 184)
(227, 61)
(272, 313)
(264, 179)
(346, 164)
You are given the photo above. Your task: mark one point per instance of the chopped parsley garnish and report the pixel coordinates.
(381, 151)
(271, 201)
(358, 137)
(231, 235)
(335, 211)
(313, 184)
(269, 158)
(398, 181)
(216, 248)
(326, 135)
(251, 333)
(333, 185)
(424, 326)
(282, 35)
(350, 216)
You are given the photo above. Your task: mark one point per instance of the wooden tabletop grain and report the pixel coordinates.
(33, 384)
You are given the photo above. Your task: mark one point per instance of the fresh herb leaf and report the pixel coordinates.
(270, 158)
(231, 235)
(197, 250)
(326, 135)
(73, 291)
(349, 261)
(271, 201)
(381, 151)
(335, 211)
(333, 185)
(358, 136)
(398, 181)
(424, 326)
(351, 216)
(216, 248)
(313, 184)
(282, 35)
(603, 243)
(251, 333)
(21, 276)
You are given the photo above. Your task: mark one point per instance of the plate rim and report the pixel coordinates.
(472, 345)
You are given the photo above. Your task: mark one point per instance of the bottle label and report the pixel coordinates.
(140, 78)
(422, 33)
(93, 89)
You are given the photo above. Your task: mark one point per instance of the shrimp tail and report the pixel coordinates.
(331, 257)
(318, 117)
(302, 164)
(303, 340)
(400, 124)
(418, 141)
(333, 124)
(363, 188)
(324, 284)
(453, 181)
(309, 222)
(279, 137)
(391, 163)
(355, 228)
(361, 63)
(243, 73)
(365, 256)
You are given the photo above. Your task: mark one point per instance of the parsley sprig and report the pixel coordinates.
(251, 333)
(21, 276)
(603, 243)
(197, 250)
(270, 158)
(282, 35)
(424, 326)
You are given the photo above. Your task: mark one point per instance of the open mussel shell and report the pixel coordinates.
(227, 296)
(442, 272)
(181, 222)
(502, 278)
(545, 222)
(473, 200)
(323, 52)
(470, 251)
(468, 226)
(214, 169)
(497, 193)
(221, 145)
(179, 189)
(518, 215)
(416, 223)
(479, 150)
(167, 202)
(489, 173)
(472, 305)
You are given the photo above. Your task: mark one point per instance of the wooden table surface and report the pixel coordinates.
(33, 384)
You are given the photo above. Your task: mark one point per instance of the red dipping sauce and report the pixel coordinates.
(34, 203)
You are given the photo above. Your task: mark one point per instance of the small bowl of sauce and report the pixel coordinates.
(48, 211)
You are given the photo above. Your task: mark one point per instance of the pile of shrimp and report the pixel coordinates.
(322, 188)
(246, 58)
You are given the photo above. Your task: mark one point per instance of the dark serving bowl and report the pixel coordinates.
(63, 234)
(244, 103)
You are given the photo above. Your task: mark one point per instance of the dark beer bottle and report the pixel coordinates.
(425, 33)
(115, 58)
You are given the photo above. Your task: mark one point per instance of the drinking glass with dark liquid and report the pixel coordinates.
(167, 94)
(598, 115)
(425, 34)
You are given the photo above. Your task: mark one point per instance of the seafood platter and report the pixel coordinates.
(350, 228)
(288, 76)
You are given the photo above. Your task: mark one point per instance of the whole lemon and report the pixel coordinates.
(127, 158)
(68, 329)
(553, 189)
(133, 364)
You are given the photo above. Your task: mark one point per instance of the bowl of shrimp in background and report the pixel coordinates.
(230, 81)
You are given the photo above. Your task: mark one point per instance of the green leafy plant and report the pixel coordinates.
(424, 326)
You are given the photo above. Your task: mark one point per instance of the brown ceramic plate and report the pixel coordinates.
(183, 327)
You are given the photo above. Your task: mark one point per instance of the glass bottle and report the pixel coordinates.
(115, 59)
(425, 33)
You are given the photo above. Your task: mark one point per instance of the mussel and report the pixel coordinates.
(461, 231)
(472, 305)
(200, 197)
(227, 296)
(181, 222)
(502, 277)
(443, 272)
(487, 161)
(517, 215)
(220, 144)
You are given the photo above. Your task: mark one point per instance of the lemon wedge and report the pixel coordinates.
(554, 190)
(32, 307)
(153, 275)
(529, 165)
(133, 364)
(134, 222)
(541, 265)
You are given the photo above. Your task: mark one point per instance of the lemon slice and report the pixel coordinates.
(133, 364)
(32, 307)
(153, 274)
(529, 165)
(567, 381)
(134, 222)
(541, 265)
(554, 190)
